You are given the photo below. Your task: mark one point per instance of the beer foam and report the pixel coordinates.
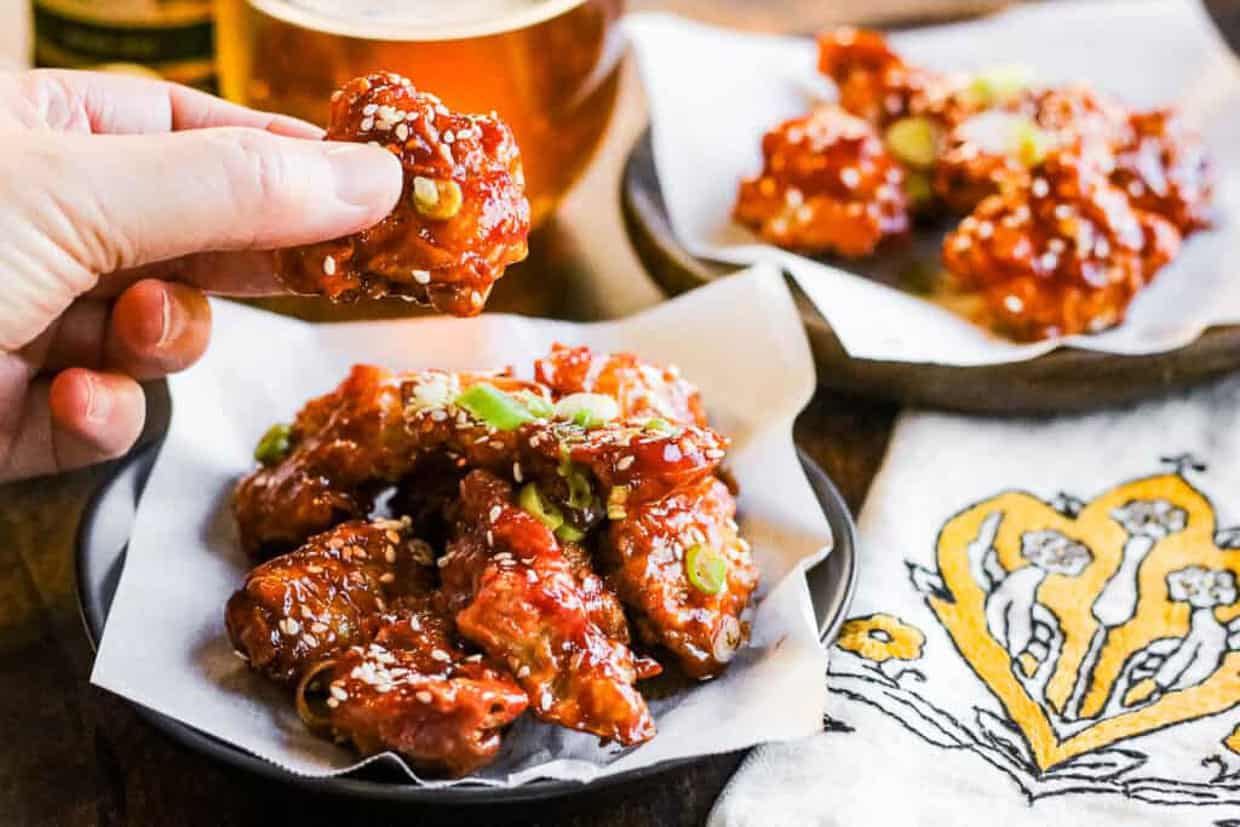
(414, 19)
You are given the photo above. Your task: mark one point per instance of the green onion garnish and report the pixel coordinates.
(589, 410)
(999, 84)
(537, 405)
(532, 502)
(570, 533)
(274, 445)
(494, 407)
(707, 569)
(914, 141)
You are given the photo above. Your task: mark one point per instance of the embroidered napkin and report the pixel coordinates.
(1047, 631)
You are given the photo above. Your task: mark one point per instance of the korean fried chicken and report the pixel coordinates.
(827, 185)
(353, 613)
(462, 217)
(520, 599)
(1071, 201)
(1062, 252)
(679, 564)
(535, 521)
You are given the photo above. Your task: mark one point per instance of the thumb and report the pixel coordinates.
(147, 198)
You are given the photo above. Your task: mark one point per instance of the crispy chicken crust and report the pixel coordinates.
(462, 217)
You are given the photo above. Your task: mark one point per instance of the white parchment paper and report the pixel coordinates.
(714, 92)
(739, 340)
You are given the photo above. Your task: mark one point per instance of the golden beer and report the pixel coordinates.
(548, 67)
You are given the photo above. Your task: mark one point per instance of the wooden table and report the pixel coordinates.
(76, 755)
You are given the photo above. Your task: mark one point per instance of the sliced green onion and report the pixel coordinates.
(580, 494)
(658, 425)
(1029, 143)
(914, 141)
(616, 499)
(539, 406)
(999, 83)
(494, 407)
(274, 445)
(917, 187)
(589, 410)
(707, 569)
(570, 533)
(532, 502)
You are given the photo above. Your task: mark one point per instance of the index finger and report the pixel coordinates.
(101, 102)
(241, 273)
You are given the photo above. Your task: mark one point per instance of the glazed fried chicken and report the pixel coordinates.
(462, 217)
(416, 690)
(520, 599)
(1062, 252)
(679, 565)
(1164, 169)
(314, 603)
(640, 389)
(827, 185)
(374, 429)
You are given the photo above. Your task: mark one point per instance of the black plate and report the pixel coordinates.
(103, 537)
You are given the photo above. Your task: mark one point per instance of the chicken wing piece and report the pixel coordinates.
(462, 216)
(314, 603)
(1057, 252)
(417, 691)
(982, 151)
(586, 472)
(1165, 170)
(519, 598)
(876, 84)
(639, 388)
(374, 429)
(680, 566)
(827, 185)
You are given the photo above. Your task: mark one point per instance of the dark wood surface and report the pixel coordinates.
(1067, 379)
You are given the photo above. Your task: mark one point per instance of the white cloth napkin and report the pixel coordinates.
(714, 92)
(1047, 631)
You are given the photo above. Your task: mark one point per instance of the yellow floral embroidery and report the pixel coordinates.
(881, 637)
(1232, 742)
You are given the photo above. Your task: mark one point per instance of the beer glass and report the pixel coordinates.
(548, 67)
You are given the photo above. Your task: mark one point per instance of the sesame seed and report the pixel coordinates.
(422, 276)
(441, 656)
(314, 569)
(985, 229)
(329, 266)
(387, 577)
(1040, 188)
(624, 463)
(310, 640)
(389, 554)
(339, 693)
(516, 472)
(850, 177)
(306, 613)
(242, 655)
(333, 703)
(448, 137)
(496, 510)
(289, 626)
(370, 108)
(423, 696)
(523, 672)
(319, 628)
(1013, 303)
(402, 131)
(368, 124)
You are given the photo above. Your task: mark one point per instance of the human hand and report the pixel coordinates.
(122, 202)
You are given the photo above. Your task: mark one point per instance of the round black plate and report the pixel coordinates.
(104, 535)
(1066, 379)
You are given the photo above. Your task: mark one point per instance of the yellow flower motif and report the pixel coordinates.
(1232, 742)
(881, 637)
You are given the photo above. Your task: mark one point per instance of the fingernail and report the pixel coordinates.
(171, 319)
(98, 401)
(365, 175)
